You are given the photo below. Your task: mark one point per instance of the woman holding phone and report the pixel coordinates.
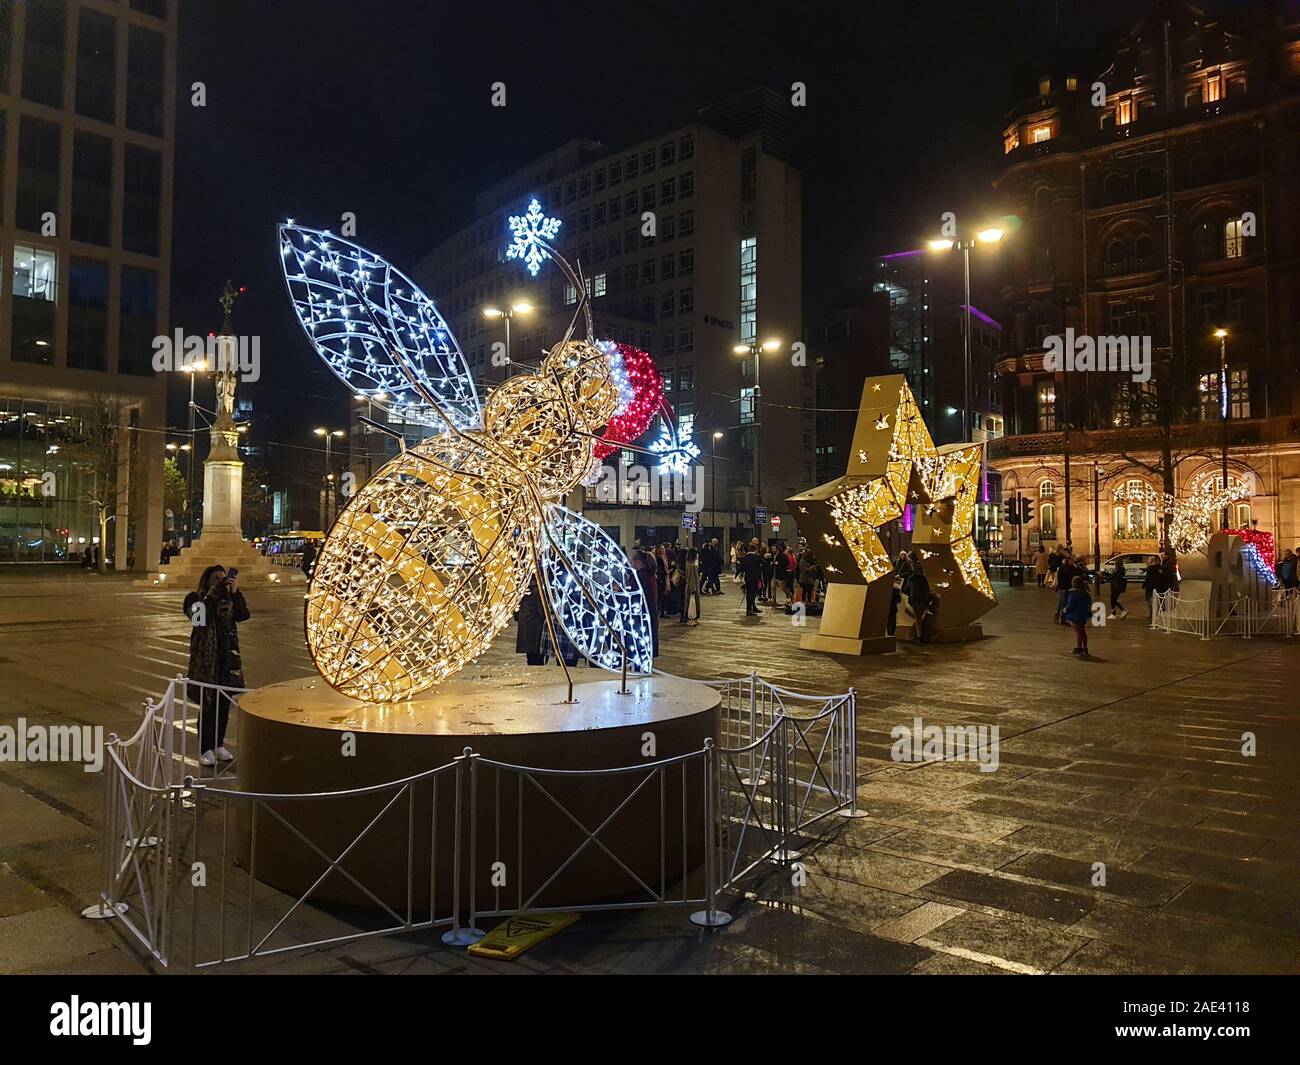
(215, 609)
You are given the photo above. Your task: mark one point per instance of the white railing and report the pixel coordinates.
(179, 835)
(1243, 618)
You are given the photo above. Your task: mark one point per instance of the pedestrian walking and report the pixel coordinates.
(1078, 612)
(1118, 585)
(215, 608)
(751, 570)
(1053, 566)
(1065, 574)
(808, 574)
(1040, 566)
(691, 588)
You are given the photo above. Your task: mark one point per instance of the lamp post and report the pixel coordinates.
(327, 490)
(1224, 410)
(520, 307)
(1096, 526)
(366, 430)
(713, 474)
(192, 369)
(988, 235)
(755, 351)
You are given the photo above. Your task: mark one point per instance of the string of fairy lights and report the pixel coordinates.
(429, 561)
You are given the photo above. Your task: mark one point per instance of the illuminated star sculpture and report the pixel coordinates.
(531, 232)
(895, 464)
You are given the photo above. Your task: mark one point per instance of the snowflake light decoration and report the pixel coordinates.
(674, 455)
(531, 232)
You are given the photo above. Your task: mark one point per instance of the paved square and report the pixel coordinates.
(1132, 759)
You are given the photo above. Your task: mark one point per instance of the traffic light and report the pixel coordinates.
(1026, 510)
(1012, 509)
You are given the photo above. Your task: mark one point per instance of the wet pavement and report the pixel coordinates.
(1132, 760)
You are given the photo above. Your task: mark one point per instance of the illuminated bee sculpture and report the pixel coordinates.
(429, 561)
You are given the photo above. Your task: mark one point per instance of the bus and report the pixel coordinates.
(285, 549)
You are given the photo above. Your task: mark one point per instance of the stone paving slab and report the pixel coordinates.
(1133, 759)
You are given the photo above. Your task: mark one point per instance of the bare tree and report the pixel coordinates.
(96, 451)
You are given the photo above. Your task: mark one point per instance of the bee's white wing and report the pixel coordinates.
(362, 315)
(612, 614)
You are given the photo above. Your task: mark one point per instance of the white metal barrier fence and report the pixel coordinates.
(1170, 612)
(189, 860)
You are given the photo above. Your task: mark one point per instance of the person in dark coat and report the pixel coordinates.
(1065, 575)
(215, 609)
(531, 617)
(751, 570)
(921, 601)
(308, 558)
(647, 574)
(1118, 585)
(1151, 583)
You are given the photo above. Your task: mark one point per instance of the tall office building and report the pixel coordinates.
(720, 268)
(86, 132)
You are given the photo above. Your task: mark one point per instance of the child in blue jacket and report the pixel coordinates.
(1078, 612)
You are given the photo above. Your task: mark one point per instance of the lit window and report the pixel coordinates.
(1010, 141)
(1039, 134)
(35, 272)
(1046, 408)
(746, 406)
(1234, 239)
(1047, 521)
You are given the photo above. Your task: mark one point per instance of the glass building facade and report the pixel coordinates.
(48, 482)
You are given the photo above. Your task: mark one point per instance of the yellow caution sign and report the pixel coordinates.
(515, 935)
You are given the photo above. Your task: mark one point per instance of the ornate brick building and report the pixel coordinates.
(1159, 197)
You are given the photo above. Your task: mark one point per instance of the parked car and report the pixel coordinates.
(1134, 563)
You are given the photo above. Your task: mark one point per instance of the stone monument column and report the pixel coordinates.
(222, 540)
(223, 471)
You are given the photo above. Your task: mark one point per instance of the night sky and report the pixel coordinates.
(382, 108)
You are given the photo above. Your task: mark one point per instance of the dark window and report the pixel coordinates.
(96, 65)
(1235, 309)
(1117, 256)
(144, 81)
(6, 41)
(1113, 188)
(142, 195)
(38, 172)
(1199, 170)
(1143, 253)
(92, 188)
(87, 314)
(43, 52)
(1204, 244)
(156, 8)
(1146, 183)
(139, 323)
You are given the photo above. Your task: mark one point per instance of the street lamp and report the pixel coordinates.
(755, 351)
(713, 473)
(1224, 410)
(193, 369)
(327, 492)
(522, 307)
(987, 235)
